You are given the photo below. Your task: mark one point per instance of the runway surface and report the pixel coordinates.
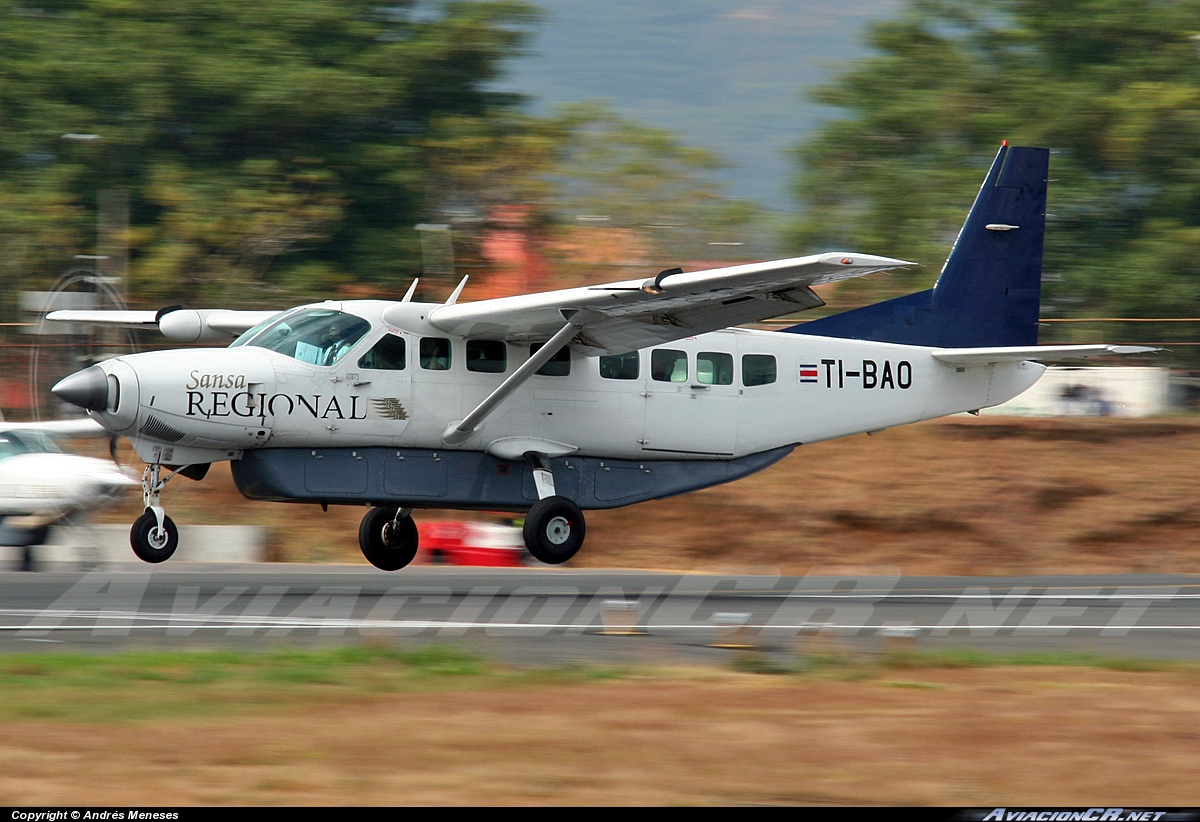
(551, 615)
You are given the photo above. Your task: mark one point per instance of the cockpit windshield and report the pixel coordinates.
(27, 442)
(320, 336)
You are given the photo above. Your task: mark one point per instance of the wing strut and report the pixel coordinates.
(460, 432)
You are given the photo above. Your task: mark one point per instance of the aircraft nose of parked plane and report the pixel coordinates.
(87, 389)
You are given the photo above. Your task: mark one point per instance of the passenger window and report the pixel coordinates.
(758, 369)
(620, 366)
(667, 365)
(557, 366)
(435, 354)
(714, 368)
(388, 354)
(487, 356)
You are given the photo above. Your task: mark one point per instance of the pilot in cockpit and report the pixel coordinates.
(336, 343)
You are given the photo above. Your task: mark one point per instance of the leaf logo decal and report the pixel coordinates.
(389, 408)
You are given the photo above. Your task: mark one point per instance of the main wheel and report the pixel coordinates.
(151, 543)
(554, 530)
(386, 545)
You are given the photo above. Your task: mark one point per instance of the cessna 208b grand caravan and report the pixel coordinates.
(583, 398)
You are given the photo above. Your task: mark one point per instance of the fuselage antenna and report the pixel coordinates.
(453, 298)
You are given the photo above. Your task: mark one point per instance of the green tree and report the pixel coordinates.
(1111, 86)
(267, 148)
(585, 166)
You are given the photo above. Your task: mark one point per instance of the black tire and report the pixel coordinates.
(386, 547)
(149, 543)
(554, 530)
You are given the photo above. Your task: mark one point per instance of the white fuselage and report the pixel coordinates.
(202, 405)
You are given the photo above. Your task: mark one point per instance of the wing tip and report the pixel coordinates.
(851, 260)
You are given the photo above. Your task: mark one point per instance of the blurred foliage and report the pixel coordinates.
(1111, 86)
(585, 169)
(277, 152)
(626, 175)
(267, 148)
(593, 186)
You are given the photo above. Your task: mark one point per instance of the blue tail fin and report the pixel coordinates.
(989, 291)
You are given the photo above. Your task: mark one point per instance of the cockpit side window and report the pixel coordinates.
(246, 336)
(389, 354)
(318, 336)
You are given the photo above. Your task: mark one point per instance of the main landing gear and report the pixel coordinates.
(554, 530)
(554, 527)
(388, 538)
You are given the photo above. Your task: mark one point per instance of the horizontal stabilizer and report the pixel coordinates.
(984, 356)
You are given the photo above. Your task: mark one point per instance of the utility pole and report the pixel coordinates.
(112, 228)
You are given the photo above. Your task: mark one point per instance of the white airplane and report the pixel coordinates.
(40, 485)
(583, 398)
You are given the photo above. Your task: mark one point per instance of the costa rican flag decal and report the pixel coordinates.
(808, 373)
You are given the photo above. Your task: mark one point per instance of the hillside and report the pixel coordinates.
(729, 77)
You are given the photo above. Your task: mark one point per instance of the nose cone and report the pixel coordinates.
(87, 389)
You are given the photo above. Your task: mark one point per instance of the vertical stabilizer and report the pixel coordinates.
(989, 291)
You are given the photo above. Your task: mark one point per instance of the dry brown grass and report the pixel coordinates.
(959, 496)
(982, 736)
(952, 497)
(962, 496)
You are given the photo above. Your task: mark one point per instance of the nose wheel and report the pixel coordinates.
(154, 536)
(554, 530)
(388, 538)
(152, 541)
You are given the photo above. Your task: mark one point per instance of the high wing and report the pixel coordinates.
(618, 317)
(180, 324)
(121, 319)
(82, 427)
(985, 356)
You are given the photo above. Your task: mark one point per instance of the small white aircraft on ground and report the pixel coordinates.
(40, 485)
(584, 398)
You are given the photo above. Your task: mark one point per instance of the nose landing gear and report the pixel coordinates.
(154, 541)
(154, 536)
